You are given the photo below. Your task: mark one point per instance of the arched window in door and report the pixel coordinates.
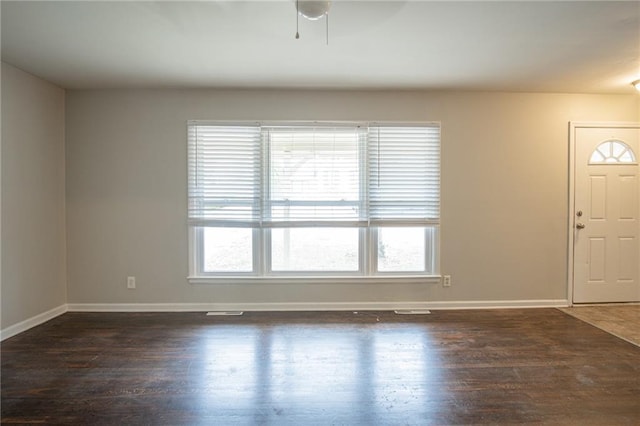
(612, 152)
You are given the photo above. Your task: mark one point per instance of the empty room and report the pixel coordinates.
(301, 212)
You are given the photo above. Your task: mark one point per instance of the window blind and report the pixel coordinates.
(314, 176)
(224, 182)
(404, 174)
(292, 176)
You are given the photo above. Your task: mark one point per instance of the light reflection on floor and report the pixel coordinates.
(296, 371)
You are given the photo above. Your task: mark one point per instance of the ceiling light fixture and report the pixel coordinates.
(312, 10)
(636, 84)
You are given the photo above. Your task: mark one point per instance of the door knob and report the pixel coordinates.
(580, 225)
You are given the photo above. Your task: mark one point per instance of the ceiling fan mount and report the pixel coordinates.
(312, 10)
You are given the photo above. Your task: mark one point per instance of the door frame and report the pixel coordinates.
(573, 126)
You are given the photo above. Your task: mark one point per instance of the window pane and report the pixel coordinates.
(314, 174)
(224, 173)
(401, 249)
(314, 249)
(617, 148)
(404, 172)
(227, 249)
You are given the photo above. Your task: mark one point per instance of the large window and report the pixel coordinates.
(356, 200)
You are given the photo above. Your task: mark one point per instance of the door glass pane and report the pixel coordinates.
(401, 249)
(612, 151)
(314, 249)
(227, 249)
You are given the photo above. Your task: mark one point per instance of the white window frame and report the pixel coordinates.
(367, 244)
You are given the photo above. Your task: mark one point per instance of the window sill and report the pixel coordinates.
(301, 280)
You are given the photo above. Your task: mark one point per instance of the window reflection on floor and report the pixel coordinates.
(405, 378)
(313, 362)
(228, 371)
(385, 367)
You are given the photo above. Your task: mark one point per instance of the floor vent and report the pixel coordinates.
(225, 313)
(413, 312)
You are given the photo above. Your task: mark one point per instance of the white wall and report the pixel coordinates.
(504, 190)
(33, 198)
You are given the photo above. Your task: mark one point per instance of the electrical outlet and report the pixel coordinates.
(131, 282)
(446, 281)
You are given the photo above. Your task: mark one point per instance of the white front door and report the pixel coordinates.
(606, 263)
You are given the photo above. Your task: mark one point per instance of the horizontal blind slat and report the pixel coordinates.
(315, 175)
(404, 173)
(224, 182)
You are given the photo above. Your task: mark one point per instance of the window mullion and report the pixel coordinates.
(196, 247)
(265, 252)
(265, 212)
(373, 250)
(365, 234)
(428, 247)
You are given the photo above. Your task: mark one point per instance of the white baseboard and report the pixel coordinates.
(499, 304)
(25, 325)
(306, 306)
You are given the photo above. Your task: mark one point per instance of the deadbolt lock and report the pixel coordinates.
(579, 213)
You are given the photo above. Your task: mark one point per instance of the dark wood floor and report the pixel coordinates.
(537, 366)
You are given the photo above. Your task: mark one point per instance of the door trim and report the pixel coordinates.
(573, 126)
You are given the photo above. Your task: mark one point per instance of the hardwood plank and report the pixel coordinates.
(450, 367)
